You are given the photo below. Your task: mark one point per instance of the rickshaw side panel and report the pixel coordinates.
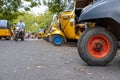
(5, 32)
(68, 29)
(69, 19)
(58, 32)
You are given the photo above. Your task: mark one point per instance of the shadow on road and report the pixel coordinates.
(70, 44)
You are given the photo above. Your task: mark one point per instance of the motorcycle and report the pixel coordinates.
(19, 33)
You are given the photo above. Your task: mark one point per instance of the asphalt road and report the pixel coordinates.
(40, 60)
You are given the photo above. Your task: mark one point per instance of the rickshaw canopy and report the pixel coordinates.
(4, 24)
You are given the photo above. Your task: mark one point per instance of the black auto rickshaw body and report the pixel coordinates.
(5, 31)
(98, 45)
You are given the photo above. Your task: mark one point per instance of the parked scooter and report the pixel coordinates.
(19, 33)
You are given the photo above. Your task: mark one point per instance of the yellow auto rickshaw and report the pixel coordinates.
(56, 34)
(5, 31)
(67, 25)
(40, 34)
(47, 33)
(69, 19)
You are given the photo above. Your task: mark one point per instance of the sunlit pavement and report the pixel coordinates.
(36, 59)
(30, 39)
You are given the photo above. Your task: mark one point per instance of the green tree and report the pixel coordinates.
(9, 9)
(56, 6)
(34, 23)
(44, 19)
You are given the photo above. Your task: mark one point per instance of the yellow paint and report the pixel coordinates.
(57, 31)
(70, 29)
(68, 23)
(40, 34)
(5, 32)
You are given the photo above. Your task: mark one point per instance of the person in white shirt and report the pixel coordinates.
(21, 24)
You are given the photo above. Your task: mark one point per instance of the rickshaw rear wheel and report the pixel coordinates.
(8, 38)
(16, 39)
(57, 40)
(39, 38)
(47, 38)
(97, 46)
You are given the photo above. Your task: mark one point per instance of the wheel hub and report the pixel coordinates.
(98, 46)
(58, 40)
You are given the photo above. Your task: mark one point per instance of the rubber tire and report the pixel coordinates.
(8, 38)
(16, 39)
(39, 38)
(83, 51)
(44, 38)
(22, 39)
(47, 39)
(53, 36)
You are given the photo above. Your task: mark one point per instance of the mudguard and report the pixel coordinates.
(59, 32)
(102, 9)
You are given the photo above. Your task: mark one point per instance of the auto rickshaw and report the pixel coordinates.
(98, 45)
(47, 33)
(33, 35)
(5, 31)
(52, 30)
(56, 34)
(40, 34)
(69, 28)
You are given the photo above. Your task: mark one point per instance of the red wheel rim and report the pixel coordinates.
(99, 46)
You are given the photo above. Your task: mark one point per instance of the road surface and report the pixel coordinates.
(40, 60)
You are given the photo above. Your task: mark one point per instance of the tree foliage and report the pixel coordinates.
(57, 6)
(9, 9)
(34, 23)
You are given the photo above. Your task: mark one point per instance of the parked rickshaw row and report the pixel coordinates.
(91, 23)
(65, 26)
